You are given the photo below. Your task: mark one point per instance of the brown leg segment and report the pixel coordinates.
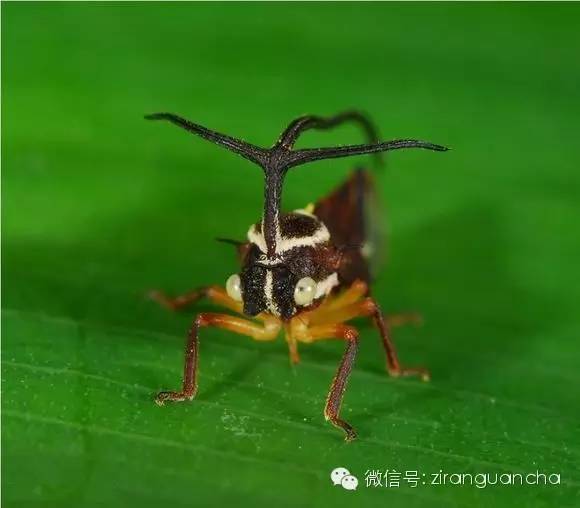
(268, 331)
(178, 302)
(393, 366)
(338, 385)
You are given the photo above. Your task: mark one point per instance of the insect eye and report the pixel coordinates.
(234, 287)
(305, 291)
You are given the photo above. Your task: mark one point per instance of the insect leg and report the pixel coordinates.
(327, 311)
(177, 302)
(338, 385)
(361, 308)
(292, 346)
(268, 331)
(355, 292)
(369, 308)
(215, 294)
(393, 365)
(341, 314)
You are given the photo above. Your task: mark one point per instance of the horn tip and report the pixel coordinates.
(439, 148)
(155, 116)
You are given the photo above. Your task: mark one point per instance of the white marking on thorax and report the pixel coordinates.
(257, 238)
(264, 261)
(306, 211)
(325, 286)
(284, 244)
(321, 235)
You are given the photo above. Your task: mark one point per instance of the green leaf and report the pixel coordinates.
(99, 206)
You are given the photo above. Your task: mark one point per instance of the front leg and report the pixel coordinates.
(214, 294)
(339, 382)
(338, 386)
(268, 331)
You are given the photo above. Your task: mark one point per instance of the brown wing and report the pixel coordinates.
(345, 212)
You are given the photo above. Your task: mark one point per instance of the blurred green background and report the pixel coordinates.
(99, 206)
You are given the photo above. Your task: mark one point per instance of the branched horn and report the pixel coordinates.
(251, 152)
(297, 127)
(278, 159)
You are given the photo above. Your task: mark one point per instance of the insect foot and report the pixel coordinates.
(162, 397)
(351, 435)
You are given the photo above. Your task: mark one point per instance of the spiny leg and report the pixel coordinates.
(268, 331)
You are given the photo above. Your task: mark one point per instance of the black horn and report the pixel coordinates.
(278, 159)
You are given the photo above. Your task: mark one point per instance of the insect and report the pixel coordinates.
(305, 272)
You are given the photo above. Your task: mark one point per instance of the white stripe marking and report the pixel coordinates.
(325, 286)
(269, 294)
(284, 244)
(321, 235)
(257, 238)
